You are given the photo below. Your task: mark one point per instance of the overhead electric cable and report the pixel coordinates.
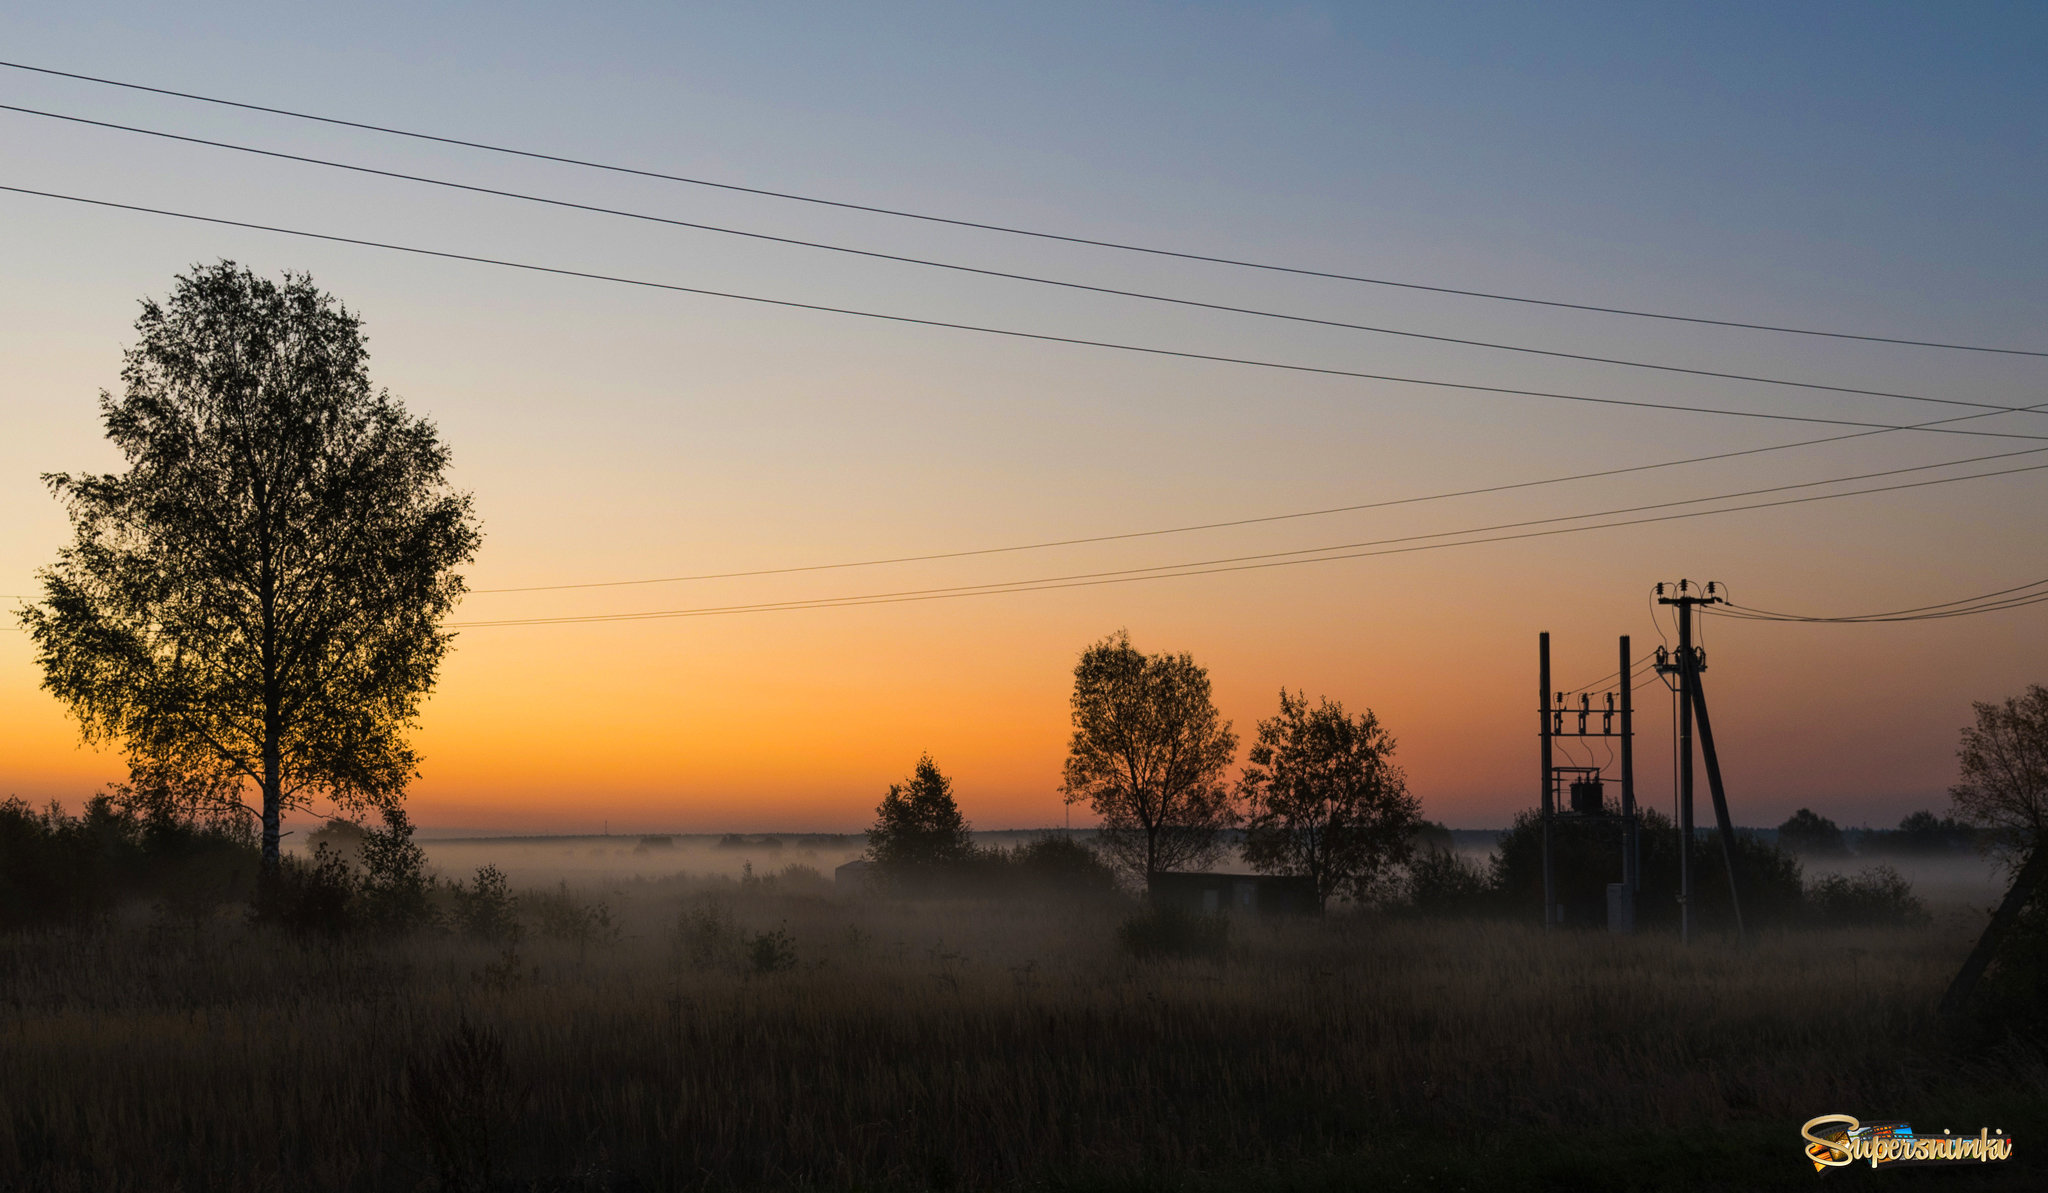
(1630, 509)
(1007, 275)
(2004, 598)
(1204, 568)
(1227, 524)
(1012, 230)
(1047, 544)
(1041, 337)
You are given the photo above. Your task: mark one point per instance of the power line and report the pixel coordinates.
(1012, 230)
(1041, 337)
(2018, 596)
(1033, 279)
(1222, 525)
(1203, 568)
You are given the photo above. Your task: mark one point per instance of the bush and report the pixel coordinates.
(396, 886)
(56, 868)
(1877, 897)
(560, 915)
(1060, 863)
(773, 951)
(1167, 931)
(486, 911)
(316, 895)
(704, 934)
(1441, 882)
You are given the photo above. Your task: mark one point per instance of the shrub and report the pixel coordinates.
(316, 895)
(1878, 896)
(560, 915)
(1167, 931)
(1058, 863)
(57, 868)
(704, 934)
(773, 951)
(1442, 882)
(486, 911)
(396, 885)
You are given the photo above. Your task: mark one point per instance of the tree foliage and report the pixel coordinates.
(1324, 799)
(256, 599)
(918, 826)
(1147, 755)
(1808, 832)
(2004, 763)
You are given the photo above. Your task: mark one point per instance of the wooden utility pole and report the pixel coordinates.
(1692, 703)
(1543, 725)
(1631, 858)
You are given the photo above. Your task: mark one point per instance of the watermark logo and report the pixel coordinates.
(1838, 1140)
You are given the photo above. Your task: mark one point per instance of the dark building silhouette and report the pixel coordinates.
(1247, 894)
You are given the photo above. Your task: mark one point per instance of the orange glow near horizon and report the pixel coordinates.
(796, 722)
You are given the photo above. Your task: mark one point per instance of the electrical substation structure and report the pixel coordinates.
(1583, 788)
(1576, 794)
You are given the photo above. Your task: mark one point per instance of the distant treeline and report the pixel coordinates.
(1920, 833)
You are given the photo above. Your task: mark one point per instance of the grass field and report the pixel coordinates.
(783, 1035)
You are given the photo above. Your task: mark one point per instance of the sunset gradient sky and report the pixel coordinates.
(1871, 168)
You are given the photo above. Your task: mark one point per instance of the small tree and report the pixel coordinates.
(396, 883)
(1808, 832)
(2004, 759)
(1324, 799)
(1148, 754)
(256, 600)
(917, 826)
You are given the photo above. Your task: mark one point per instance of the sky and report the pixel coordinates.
(1867, 168)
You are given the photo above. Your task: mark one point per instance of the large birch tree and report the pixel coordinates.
(255, 602)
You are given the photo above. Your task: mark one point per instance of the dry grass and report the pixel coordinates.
(971, 1045)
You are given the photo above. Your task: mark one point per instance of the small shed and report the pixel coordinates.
(852, 877)
(1246, 894)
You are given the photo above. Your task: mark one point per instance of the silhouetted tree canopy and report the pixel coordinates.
(1324, 800)
(256, 599)
(918, 825)
(1148, 754)
(2004, 761)
(1807, 831)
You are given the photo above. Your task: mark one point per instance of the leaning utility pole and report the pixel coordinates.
(1692, 703)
